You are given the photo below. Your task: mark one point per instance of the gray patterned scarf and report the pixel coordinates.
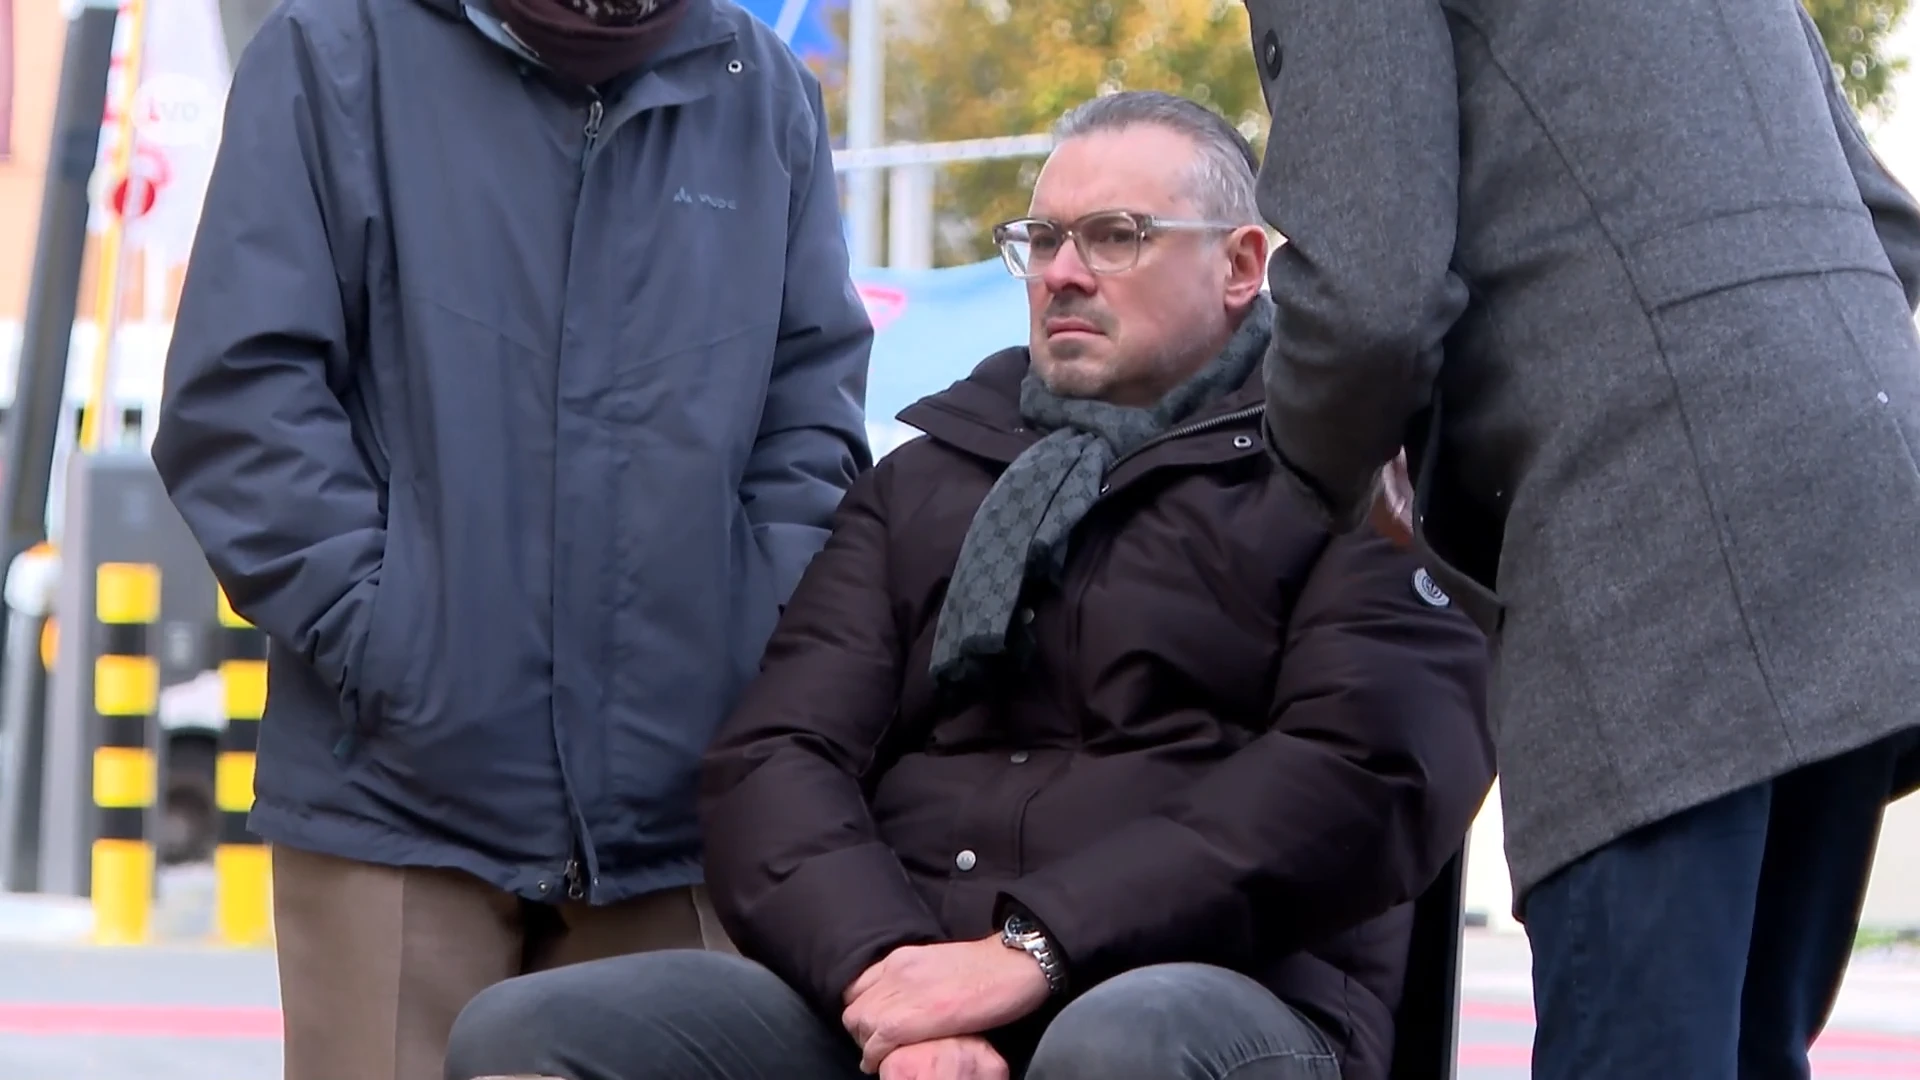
(1021, 530)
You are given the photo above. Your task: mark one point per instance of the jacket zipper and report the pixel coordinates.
(572, 876)
(1194, 428)
(596, 111)
(1081, 581)
(575, 881)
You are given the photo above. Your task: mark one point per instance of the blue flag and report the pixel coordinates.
(930, 328)
(808, 27)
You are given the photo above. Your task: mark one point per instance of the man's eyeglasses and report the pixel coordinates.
(1108, 241)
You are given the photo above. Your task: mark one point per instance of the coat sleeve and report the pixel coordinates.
(1353, 800)
(254, 442)
(812, 440)
(1896, 217)
(796, 868)
(1360, 178)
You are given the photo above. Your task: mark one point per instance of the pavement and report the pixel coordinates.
(1874, 1033)
(72, 1011)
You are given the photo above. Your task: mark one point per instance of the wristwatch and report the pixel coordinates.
(1021, 932)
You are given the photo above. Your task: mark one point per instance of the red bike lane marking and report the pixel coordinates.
(162, 1021)
(1865, 1054)
(1851, 1054)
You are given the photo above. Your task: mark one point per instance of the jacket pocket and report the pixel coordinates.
(1732, 250)
(383, 692)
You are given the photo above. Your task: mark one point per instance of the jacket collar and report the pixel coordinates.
(980, 415)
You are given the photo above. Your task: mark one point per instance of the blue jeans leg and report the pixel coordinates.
(650, 1016)
(1821, 838)
(1181, 1022)
(1709, 945)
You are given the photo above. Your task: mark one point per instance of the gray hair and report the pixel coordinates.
(1223, 184)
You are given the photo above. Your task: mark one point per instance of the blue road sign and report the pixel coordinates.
(807, 26)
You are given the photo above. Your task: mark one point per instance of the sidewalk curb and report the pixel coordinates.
(38, 918)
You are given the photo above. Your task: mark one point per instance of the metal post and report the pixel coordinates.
(242, 874)
(866, 124)
(41, 378)
(117, 513)
(126, 764)
(894, 155)
(910, 217)
(32, 581)
(110, 262)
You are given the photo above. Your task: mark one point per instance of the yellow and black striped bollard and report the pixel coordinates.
(126, 696)
(242, 874)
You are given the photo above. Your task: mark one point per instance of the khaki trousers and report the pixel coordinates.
(377, 961)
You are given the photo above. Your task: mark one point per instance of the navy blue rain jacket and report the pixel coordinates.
(512, 413)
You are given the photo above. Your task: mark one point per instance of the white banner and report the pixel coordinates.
(177, 116)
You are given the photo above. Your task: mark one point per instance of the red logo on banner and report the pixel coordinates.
(150, 173)
(884, 303)
(143, 204)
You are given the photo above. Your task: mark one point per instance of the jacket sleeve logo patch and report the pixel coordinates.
(1428, 590)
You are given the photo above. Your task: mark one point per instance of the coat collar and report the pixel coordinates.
(980, 415)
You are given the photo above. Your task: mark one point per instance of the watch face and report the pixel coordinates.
(1017, 927)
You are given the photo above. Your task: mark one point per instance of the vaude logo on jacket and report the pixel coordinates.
(681, 196)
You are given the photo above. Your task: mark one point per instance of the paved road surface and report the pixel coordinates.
(78, 1013)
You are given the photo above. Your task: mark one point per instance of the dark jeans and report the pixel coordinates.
(1710, 945)
(710, 1016)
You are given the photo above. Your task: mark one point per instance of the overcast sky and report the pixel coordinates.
(1898, 138)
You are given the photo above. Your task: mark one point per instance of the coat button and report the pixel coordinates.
(1019, 757)
(1026, 615)
(966, 860)
(1270, 54)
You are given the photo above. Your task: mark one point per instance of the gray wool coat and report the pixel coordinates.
(1668, 460)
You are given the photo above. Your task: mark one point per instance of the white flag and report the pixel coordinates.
(177, 113)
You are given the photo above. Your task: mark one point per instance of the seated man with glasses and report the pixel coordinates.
(1081, 751)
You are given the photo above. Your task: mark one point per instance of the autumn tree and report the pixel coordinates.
(963, 69)
(1856, 35)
